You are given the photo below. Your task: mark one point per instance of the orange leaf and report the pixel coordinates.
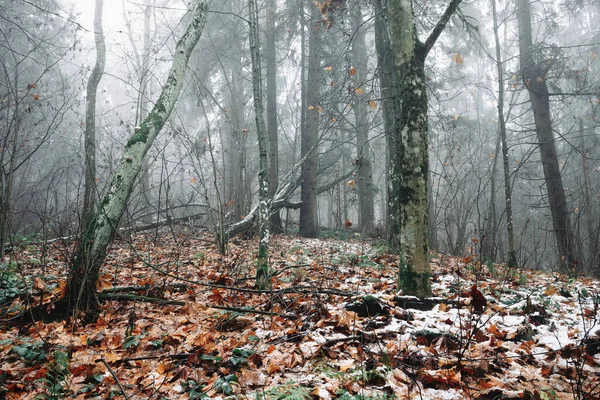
(550, 291)
(273, 367)
(36, 96)
(372, 104)
(358, 90)
(352, 71)
(104, 282)
(39, 284)
(458, 58)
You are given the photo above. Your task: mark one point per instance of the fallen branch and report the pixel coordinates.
(281, 200)
(248, 310)
(133, 297)
(114, 376)
(144, 288)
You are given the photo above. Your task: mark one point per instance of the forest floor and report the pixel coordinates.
(334, 326)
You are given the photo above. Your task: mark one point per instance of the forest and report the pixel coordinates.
(357, 199)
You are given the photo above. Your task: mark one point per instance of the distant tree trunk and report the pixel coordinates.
(488, 237)
(512, 255)
(534, 78)
(236, 148)
(271, 67)
(431, 220)
(89, 197)
(409, 161)
(389, 102)
(366, 208)
(263, 280)
(588, 211)
(309, 212)
(7, 173)
(91, 252)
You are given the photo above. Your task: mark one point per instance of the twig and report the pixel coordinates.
(103, 360)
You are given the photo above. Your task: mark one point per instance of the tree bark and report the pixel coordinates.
(89, 197)
(512, 255)
(387, 81)
(309, 211)
(366, 210)
(409, 161)
(263, 280)
(534, 78)
(91, 252)
(271, 75)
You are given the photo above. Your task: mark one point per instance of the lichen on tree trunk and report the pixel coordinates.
(408, 157)
(91, 252)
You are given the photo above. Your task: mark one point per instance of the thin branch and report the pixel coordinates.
(437, 31)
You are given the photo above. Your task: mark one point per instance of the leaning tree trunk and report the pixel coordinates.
(512, 255)
(309, 212)
(263, 281)
(91, 252)
(409, 162)
(89, 196)
(534, 78)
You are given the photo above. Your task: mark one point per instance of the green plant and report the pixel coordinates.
(240, 356)
(31, 351)
(194, 389)
(12, 285)
(522, 279)
(223, 385)
(289, 391)
(56, 381)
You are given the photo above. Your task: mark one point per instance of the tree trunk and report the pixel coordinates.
(91, 252)
(309, 217)
(534, 78)
(271, 67)
(512, 255)
(89, 197)
(366, 210)
(263, 280)
(387, 81)
(409, 162)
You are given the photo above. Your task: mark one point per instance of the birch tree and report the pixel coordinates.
(262, 269)
(91, 252)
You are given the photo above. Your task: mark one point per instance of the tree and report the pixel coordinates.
(271, 75)
(309, 212)
(91, 251)
(408, 160)
(366, 210)
(89, 197)
(533, 73)
(34, 100)
(263, 280)
(512, 255)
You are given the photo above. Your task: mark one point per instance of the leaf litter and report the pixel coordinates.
(334, 326)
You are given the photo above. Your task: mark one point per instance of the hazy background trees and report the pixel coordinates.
(327, 98)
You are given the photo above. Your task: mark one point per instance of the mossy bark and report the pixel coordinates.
(408, 157)
(263, 280)
(100, 230)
